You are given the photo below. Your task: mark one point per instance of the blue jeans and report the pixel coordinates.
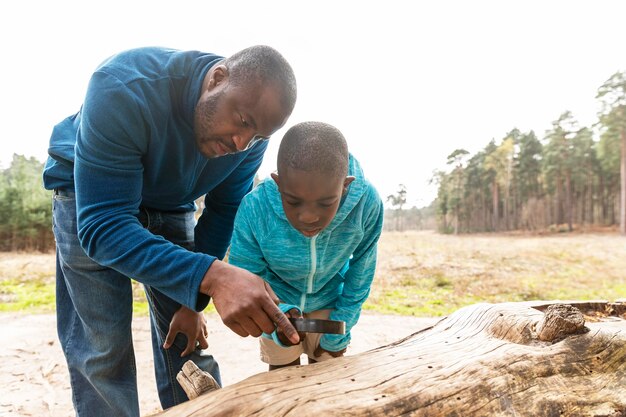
(94, 315)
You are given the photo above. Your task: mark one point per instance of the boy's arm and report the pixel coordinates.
(358, 278)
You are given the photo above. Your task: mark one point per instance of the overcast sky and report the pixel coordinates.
(406, 82)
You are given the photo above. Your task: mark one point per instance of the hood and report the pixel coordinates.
(355, 192)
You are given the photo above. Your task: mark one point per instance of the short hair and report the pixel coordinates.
(314, 146)
(265, 65)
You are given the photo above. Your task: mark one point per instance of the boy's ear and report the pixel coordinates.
(347, 182)
(275, 178)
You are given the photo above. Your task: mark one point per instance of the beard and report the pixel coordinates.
(204, 124)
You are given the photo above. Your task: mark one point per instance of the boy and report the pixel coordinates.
(311, 233)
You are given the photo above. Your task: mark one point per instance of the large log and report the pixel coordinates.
(506, 359)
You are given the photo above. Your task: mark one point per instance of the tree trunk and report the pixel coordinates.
(558, 204)
(496, 204)
(568, 200)
(588, 197)
(603, 201)
(506, 359)
(485, 212)
(622, 216)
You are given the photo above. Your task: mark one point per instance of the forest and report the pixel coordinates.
(25, 207)
(572, 177)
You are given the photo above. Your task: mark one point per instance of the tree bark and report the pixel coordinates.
(568, 200)
(496, 203)
(506, 359)
(622, 216)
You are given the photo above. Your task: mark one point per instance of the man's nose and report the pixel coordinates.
(242, 140)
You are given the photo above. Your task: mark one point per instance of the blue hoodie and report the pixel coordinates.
(310, 272)
(132, 144)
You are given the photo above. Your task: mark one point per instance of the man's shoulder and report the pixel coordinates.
(155, 61)
(144, 52)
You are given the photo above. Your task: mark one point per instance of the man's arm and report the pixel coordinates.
(108, 171)
(245, 255)
(108, 177)
(215, 226)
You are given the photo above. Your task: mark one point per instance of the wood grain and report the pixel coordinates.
(482, 360)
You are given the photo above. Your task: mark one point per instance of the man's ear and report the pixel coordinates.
(347, 182)
(275, 178)
(219, 74)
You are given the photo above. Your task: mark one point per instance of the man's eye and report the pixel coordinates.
(293, 203)
(244, 123)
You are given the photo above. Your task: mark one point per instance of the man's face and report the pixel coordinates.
(310, 199)
(229, 118)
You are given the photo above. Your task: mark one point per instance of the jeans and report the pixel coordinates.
(94, 315)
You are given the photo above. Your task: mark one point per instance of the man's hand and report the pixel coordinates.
(192, 325)
(295, 313)
(319, 350)
(243, 302)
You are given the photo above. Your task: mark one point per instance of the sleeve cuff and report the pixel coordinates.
(336, 345)
(201, 300)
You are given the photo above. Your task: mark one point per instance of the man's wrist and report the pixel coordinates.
(212, 274)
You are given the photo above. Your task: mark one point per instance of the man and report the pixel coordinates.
(159, 128)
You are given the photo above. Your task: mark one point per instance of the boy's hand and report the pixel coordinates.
(319, 350)
(192, 325)
(295, 313)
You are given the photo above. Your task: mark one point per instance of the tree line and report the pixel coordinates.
(397, 218)
(25, 207)
(572, 177)
(575, 176)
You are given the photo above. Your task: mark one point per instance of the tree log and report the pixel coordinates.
(506, 359)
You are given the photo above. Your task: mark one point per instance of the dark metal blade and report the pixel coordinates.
(318, 325)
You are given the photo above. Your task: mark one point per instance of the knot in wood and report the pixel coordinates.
(560, 320)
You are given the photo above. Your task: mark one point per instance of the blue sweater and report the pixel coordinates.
(310, 272)
(132, 144)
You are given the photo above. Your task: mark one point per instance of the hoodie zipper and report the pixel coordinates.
(309, 284)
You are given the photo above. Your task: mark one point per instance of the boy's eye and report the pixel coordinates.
(244, 123)
(326, 205)
(292, 203)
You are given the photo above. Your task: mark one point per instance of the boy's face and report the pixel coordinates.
(310, 199)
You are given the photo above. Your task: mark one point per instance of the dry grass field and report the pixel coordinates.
(421, 273)
(429, 274)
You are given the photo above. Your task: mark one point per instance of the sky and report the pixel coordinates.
(407, 82)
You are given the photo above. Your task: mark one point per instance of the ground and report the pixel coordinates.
(418, 273)
(34, 379)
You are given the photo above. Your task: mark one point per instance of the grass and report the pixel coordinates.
(427, 274)
(418, 273)
(27, 285)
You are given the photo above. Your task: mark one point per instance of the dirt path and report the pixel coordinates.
(34, 379)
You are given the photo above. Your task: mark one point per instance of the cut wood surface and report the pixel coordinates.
(483, 360)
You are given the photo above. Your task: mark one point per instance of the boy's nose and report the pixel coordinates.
(308, 217)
